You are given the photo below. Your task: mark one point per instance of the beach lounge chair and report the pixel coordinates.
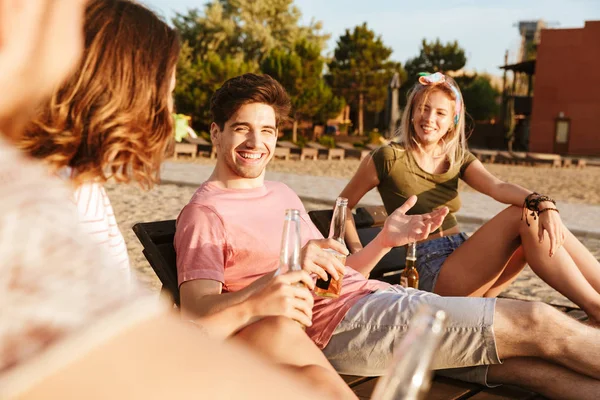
(282, 152)
(202, 145)
(157, 239)
(485, 155)
(351, 151)
(328, 152)
(302, 152)
(185, 148)
(542, 158)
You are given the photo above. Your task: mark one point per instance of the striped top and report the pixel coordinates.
(59, 296)
(98, 219)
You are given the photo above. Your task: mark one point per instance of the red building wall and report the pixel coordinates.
(567, 80)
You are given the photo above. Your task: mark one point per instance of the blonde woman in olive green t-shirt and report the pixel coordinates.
(427, 160)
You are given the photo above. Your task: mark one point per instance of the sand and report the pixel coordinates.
(563, 184)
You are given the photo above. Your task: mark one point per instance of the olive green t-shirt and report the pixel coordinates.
(401, 177)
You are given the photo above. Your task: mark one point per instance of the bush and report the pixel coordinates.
(375, 137)
(327, 141)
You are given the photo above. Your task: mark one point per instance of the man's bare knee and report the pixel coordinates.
(522, 328)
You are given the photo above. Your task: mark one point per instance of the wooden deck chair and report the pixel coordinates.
(185, 148)
(202, 144)
(351, 151)
(328, 152)
(157, 239)
(302, 152)
(282, 152)
(485, 155)
(555, 160)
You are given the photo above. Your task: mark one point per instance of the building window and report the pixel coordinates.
(563, 126)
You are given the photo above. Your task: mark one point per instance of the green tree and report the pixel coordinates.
(480, 97)
(433, 56)
(361, 70)
(300, 71)
(199, 77)
(228, 38)
(436, 57)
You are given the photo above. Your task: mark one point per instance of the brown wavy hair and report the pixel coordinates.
(111, 118)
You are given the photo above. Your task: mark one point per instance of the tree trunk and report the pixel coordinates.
(295, 130)
(361, 105)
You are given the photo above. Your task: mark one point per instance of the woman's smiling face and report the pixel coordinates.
(432, 119)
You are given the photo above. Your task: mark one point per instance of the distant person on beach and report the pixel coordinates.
(68, 326)
(227, 243)
(427, 160)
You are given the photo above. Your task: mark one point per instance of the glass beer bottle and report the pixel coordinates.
(291, 245)
(410, 276)
(409, 375)
(337, 229)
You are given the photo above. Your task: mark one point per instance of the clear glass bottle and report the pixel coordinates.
(409, 375)
(291, 243)
(410, 276)
(337, 230)
(291, 246)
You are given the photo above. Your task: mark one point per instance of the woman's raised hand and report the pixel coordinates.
(400, 228)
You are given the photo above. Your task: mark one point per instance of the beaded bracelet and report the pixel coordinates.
(548, 209)
(533, 204)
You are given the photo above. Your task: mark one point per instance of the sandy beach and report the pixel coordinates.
(564, 184)
(133, 205)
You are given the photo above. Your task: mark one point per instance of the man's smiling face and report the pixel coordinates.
(247, 142)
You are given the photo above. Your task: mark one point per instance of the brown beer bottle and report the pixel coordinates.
(337, 229)
(410, 276)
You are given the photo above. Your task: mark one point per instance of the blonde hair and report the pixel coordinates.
(111, 118)
(454, 141)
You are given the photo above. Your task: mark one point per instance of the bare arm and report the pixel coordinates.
(483, 181)
(398, 230)
(363, 180)
(223, 314)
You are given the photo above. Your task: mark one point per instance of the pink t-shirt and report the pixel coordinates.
(233, 236)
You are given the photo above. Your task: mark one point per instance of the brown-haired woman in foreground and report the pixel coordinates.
(68, 327)
(112, 117)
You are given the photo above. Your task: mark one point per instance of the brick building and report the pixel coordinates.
(566, 105)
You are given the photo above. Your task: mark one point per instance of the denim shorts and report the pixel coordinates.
(363, 343)
(432, 254)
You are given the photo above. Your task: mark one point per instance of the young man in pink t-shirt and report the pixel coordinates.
(227, 244)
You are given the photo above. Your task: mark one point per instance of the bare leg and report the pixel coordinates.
(548, 379)
(478, 264)
(534, 329)
(282, 341)
(512, 269)
(561, 271)
(487, 262)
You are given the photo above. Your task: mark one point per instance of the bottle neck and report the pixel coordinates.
(337, 230)
(411, 251)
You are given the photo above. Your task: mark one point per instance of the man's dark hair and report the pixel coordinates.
(248, 89)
